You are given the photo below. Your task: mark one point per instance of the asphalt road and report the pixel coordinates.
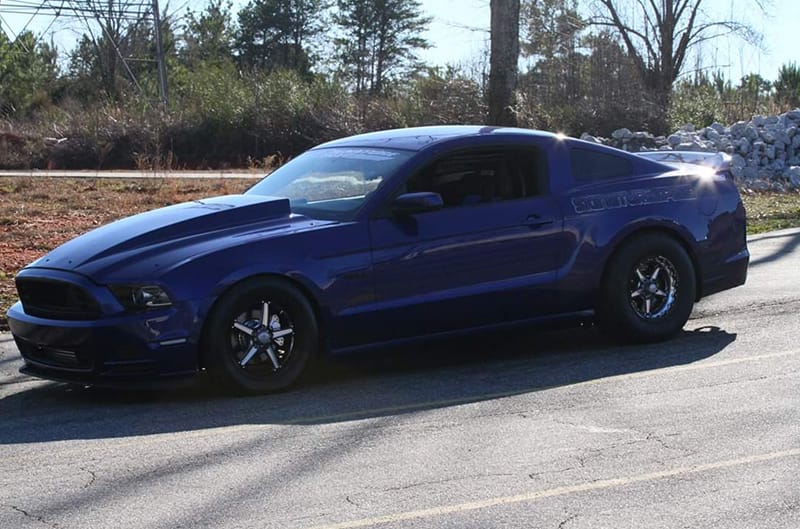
(155, 173)
(557, 430)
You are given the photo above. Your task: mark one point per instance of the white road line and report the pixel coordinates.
(557, 491)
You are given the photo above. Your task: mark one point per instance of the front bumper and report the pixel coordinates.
(115, 348)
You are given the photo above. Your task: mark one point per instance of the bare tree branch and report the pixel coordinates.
(660, 38)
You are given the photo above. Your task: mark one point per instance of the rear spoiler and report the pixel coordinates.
(720, 162)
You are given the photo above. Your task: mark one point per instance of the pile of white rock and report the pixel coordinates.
(765, 151)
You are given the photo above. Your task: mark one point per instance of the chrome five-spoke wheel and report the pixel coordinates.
(652, 287)
(648, 289)
(261, 336)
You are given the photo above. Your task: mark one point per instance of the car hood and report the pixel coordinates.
(161, 231)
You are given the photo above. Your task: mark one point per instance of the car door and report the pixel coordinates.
(488, 256)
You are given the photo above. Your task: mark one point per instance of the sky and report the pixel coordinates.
(459, 33)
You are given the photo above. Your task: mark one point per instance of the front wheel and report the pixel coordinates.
(648, 290)
(260, 337)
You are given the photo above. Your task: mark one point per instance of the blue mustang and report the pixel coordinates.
(377, 239)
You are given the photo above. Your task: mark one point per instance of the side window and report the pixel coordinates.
(589, 165)
(482, 176)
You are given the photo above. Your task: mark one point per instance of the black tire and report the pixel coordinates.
(648, 290)
(246, 355)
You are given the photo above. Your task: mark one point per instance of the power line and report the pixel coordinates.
(93, 14)
(126, 10)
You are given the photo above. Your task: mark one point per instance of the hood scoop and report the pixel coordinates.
(165, 225)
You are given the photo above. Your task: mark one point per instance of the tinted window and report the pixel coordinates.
(477, 177)
(331, 183)
(588, 165)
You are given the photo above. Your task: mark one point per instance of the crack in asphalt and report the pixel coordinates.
(534, 475)
(35, 517)
(440, 481)
(592, 453)
(583, 458)
(92, 477)
(651, 436)
(564, 522)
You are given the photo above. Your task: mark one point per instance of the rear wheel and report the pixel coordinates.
(260, 337)
(648, 290)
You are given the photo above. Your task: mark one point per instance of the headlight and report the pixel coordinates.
(141, 297)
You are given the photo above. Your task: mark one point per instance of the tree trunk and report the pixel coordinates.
(503, 61)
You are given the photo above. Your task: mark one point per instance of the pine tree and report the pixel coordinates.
(27, 66)
(208, 35)
(279, 34)
(378, 42)
(787, 86)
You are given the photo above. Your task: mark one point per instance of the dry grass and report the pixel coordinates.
(37, 214)
(772, 211)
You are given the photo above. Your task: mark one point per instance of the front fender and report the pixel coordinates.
(333, 275)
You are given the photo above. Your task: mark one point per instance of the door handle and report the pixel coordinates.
(537, 221)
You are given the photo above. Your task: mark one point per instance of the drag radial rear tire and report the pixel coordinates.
(648, 290)
(260, 337)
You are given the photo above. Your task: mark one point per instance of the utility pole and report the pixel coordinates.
(162, 65)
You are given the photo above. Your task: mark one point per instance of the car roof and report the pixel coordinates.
(418, 138)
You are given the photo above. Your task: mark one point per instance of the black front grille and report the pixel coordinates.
(56, 300)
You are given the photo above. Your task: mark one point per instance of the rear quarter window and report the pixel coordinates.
(591, 166)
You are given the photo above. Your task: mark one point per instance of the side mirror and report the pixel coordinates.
(410, 203)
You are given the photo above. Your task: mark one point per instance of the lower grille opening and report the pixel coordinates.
(72, 360)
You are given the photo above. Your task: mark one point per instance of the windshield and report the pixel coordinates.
(331, 183)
